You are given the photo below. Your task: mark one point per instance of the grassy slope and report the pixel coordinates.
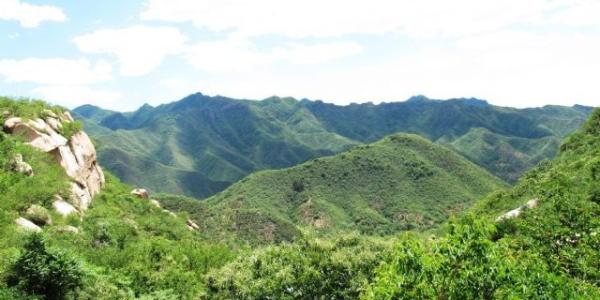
(208, 143)
(127, 247)
(402, 182)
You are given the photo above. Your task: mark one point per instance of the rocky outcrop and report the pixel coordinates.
(76, 155)
(27, 225)
(533, 203)
(19, 166)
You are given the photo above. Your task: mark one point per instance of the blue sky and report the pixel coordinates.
(121, 54)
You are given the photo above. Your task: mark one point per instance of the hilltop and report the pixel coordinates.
(200, 145)
(402, 182)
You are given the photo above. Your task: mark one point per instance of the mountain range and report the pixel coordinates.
(200, 145)
(402, 182)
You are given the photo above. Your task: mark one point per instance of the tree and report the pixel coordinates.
(50, 274)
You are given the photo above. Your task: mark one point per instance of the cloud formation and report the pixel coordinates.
(30, 15)
(139, 49)
(54, 71)
(316, 18)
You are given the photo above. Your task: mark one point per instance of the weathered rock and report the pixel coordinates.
(44, 141)
(67, 229)
(77, 155)
(89, 171)
(191, 225)
(10, 124)
(38, 215)
(27, 225)
(155, 203)
(63, 207)
(54, 123)
(18, 165)
(142, 193)
(517, 211)
(66, 117)
(65, 157)
(49, 113)
(81, 194)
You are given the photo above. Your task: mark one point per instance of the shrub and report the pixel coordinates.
(51, 274)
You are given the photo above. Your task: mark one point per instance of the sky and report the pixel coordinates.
(121, 54)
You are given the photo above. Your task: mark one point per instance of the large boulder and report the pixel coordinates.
(63, 207)
(27, 225)
(38, 215)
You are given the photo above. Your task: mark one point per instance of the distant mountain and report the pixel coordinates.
(400, 183)
(200, 145)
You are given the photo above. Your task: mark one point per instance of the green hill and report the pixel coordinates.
(200, 145)
(400, 183)
(549, 251)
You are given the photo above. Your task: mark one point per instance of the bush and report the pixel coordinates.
(50, 274)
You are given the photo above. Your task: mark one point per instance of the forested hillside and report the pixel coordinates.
(402, 182)
(550, 250)
(200, 145)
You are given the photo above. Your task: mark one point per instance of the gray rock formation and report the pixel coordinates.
(76, 155)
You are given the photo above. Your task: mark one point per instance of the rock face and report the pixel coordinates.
(76, 155)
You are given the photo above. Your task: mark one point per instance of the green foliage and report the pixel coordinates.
(400, 183)
(308, 269)
(70, 128)
(549, 252)
(200, 145)
(25, 108)
(50, 274)
(467, 264)
(126, 247)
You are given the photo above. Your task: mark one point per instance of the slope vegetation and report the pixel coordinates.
(121, 247)
(200, 145)
(400, 183)
(548, 251)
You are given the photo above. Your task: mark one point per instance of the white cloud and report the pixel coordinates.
(243, 55)
(139, 49)
(54, 71)
(507, 68)
(317, 18)
(29, 15)
(73, 96)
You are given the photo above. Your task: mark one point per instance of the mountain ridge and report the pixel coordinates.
(225, 139)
